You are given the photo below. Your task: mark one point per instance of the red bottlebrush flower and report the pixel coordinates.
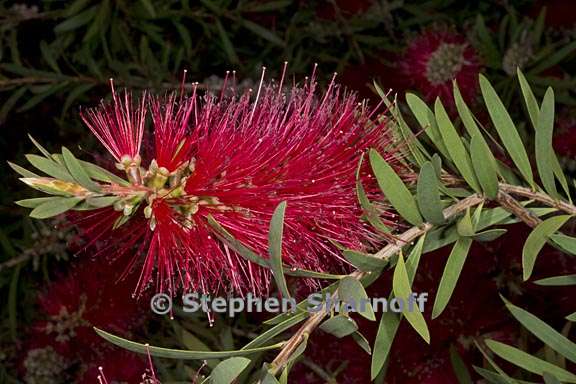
(435, 58)
(91, 295)
(235, 159)
(119, 126)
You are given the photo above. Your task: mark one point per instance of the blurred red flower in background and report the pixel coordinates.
(435, 58)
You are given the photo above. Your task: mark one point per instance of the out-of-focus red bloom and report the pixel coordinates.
(435, 58)
(234, 159)
(91, 295)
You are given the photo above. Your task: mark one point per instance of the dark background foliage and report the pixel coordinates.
(58, 55)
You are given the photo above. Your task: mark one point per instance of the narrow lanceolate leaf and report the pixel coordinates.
(23, 171)
(394, 189)
(536, 241)
(101, 202)
(390, 321)
(455, 146)
(534, 113)
(459, 367)
(50, 167)
(427, 121)
(43, 150)
(464, 112)
(550, 379)
(465, 227)
(529, 98)
(484, 166)
(451, 274)
(101, 174)
(567, 243)
(557, 280)
(528, 362)
(363, 261)
(351, 291)
(33, 203)
(54, 207)
(177, 353)
(362, 342)
(402, 289)
(275, 248)
(78, 172)
(506, 379)
(228, 370)
(571, 317)
(544, 332)
(428, 195)
(543, 143)
(506, 130)
(339, 326)
(372, 214)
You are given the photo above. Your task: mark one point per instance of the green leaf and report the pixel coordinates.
(426, 119)
(464, 112)
(372, 214)
(390, 321)
(557, 280)
(394, 189)
(455, 146)
(77, 21)
(536, 241)
(549, 379)
(263, 338)
(451, 274)
(465, 227)
(428, 195)
(54, 207)
(484, 165)
(362, 342)
(228, 370)
(101, 202)
(401, 286)
(571, 317)
(543, 144)
(263, 32)
(50, 167)
(275, 248)
(40, 148)
(506, 130)
(78, 172)
(236, 245)
(23, 171)
(339, 326)
(567, 243)
(505, 378)
(544, 332)
(101, 174)
(405, 134)
(528, 362)
(227, 44)
(350, 290)
(529, 99)
(489, 235)
(363, 261)
(555, 58)
(33, 203)
(176, 353)
(459, 367)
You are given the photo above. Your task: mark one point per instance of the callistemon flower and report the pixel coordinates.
(435, 58)
(220, 167)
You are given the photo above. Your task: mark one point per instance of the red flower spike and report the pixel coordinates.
(435, 58)
(235, 160)
(118, 126)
